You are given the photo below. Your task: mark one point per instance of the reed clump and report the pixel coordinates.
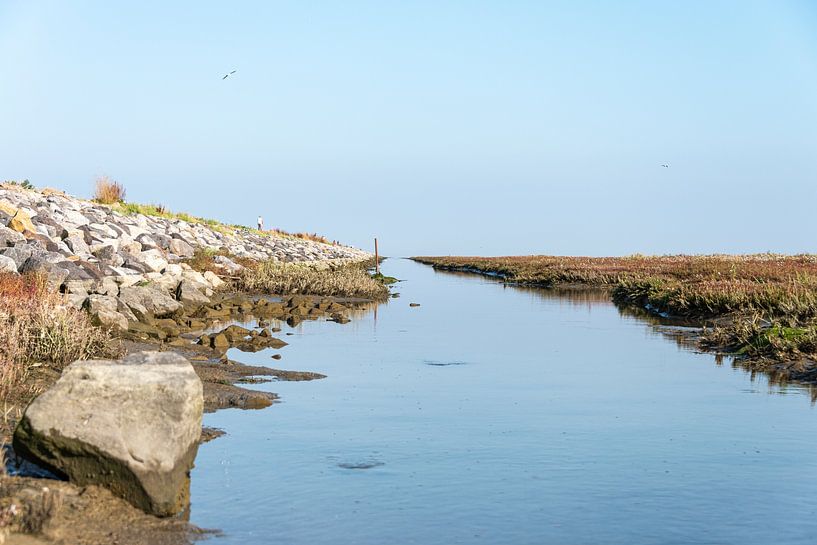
(314, 237)
(37, 327)
(756, 337)
(108, 191)
(327, 279)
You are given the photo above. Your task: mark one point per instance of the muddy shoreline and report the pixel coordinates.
(56, 511)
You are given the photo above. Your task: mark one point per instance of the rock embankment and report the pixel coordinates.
(132, 426)
(127, 269)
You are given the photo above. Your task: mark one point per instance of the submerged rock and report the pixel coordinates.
(132, 426)
(224, 396)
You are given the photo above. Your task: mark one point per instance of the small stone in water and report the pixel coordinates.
(361, 465)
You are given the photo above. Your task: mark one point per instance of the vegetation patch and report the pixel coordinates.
(692, 286)
(25, 184)
(161, 211)
(346, 280)
(37, 328)
(108, 191)
(314, 237)
(388, 280)
(112, 193)
(757, 338)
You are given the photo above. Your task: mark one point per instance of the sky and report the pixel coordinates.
(440, 127)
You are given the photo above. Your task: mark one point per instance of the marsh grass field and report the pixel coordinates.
(760, 307)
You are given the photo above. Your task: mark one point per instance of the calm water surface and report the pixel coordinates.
(508, 416)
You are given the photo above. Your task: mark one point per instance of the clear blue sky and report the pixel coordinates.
(504, 127)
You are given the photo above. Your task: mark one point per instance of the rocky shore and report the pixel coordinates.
(106, 425)
(124, 267)
(129, 273)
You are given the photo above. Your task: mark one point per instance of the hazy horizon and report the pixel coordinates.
(439, 127)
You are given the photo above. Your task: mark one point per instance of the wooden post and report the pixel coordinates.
(376, 258)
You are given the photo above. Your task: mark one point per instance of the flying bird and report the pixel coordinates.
(662, 164)
(228, 75)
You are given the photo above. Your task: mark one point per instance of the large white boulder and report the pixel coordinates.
(132, 426)
(152, 259)
(75, 218)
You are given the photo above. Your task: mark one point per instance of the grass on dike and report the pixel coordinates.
(160, 211)
(110, 192)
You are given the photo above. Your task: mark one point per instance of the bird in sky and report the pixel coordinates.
(228, 75)
(662, 164)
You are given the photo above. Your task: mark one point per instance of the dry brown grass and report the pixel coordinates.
(553, 270)
(349, 280)
(161, 211)
(314, 237)
(108, 191)
(37, 327)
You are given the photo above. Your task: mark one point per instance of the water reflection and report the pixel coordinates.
(685, 333)
(356, 311)
(577, 423)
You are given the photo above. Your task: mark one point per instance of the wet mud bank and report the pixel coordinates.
(36, 507)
